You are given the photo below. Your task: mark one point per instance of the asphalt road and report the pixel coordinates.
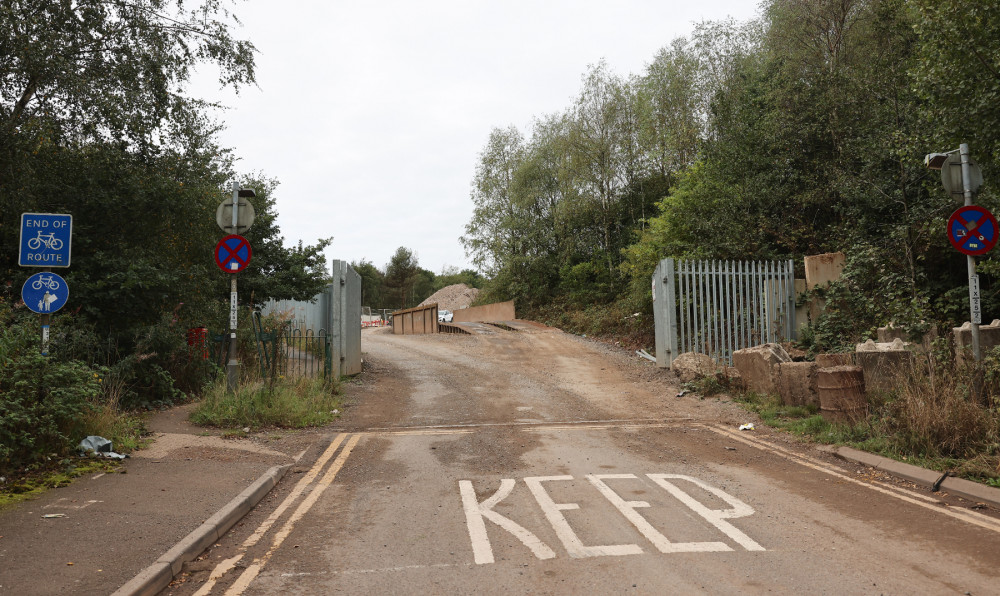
(539, 462)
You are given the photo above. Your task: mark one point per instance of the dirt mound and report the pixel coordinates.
(453, 297)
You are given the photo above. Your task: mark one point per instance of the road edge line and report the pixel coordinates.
(966, 489)
(156, 577)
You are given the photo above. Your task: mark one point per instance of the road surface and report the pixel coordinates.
(533, 461)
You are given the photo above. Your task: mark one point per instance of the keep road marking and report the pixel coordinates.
(478, 513)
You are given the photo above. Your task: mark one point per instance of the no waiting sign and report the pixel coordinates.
(232, 253)
(972, 230)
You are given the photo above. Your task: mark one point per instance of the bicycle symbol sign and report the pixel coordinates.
(45, 292)
(972, 230)
(45, 239)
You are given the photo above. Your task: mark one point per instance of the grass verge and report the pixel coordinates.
(31, 485)
(928, 420)
(287, 403)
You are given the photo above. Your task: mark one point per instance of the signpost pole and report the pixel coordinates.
(233, 366)
(974, 308)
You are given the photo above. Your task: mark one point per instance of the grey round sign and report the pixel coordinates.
(951, 176)
(244, 216)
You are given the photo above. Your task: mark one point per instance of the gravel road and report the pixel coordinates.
(540, 462)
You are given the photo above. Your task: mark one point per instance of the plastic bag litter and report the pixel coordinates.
(747, 426)
(99, 447)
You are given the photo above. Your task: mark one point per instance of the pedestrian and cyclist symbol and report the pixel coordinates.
(232, 253)
(972, 230)
(45, 293)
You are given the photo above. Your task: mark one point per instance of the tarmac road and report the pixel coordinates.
(539, 462)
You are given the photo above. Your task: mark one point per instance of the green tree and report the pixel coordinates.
(110, 69)
(276, 271)
(372, 282)
(401, 275)
(957, 76)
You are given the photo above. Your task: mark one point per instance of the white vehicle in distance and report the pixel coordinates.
(445, 316)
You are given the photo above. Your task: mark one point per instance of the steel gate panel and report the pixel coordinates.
(718, 307)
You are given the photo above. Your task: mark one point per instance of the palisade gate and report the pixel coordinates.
(325, 329)
(718, 307)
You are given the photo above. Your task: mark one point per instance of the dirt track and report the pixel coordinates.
(447, 436)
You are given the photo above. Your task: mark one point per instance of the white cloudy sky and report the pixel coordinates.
(372, 114)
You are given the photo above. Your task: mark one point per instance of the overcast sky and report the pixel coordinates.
(372, 114)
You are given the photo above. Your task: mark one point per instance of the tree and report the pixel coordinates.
(957, 76)
(110, 70)
(372, 281)
(401, 275)
(276, 271)
(488, 239)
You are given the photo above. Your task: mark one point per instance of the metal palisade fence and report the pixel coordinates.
(324, 334)
(718, 307)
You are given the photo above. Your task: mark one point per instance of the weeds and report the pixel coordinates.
(30, 486)
(927, 417)
(287, 403)
(107, 418)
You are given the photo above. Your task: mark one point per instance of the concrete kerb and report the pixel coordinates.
(157, 576)
(966, 489)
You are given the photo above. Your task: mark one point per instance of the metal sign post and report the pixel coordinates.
(972, 230)
(963, 150)
(46, 240)
(233, 366)
(232, 255)
(45, 293)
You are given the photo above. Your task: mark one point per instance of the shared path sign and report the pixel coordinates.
(45, 240)
(972, 230)
(45, 293)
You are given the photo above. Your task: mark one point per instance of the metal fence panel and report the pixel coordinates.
(333, 317)
(718, 307)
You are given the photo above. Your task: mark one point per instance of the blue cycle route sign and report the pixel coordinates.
(45, 240)
(45, 292)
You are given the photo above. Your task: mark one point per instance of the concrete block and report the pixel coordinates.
(797, 383)
(691, 366)
(890, 332)
(884, 363)
(758, 366)
(989, 337)
(822, 269)
(839, 359)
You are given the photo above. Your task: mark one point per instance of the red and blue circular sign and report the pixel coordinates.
(972, 230)
(232, 253)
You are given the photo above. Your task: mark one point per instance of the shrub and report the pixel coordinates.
(42, 399)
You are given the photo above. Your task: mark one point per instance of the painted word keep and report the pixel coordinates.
(477, 513)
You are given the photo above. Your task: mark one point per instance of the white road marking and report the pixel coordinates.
(971, 517)
(251, 572)
(570, 540)
(227, 565)
(716, 517)
(628, 509)
(65, 503)
(476, 511)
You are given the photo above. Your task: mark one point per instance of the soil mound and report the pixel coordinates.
(453, 297)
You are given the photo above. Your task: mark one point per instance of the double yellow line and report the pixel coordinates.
(307, 481)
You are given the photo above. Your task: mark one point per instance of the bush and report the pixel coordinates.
(287, 403)
(42, 400)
